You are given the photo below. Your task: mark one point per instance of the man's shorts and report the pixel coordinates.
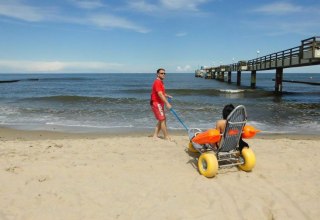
(158, 111)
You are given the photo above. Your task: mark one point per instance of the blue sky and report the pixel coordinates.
(100, 36)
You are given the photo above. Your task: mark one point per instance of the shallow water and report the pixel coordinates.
(105, 102)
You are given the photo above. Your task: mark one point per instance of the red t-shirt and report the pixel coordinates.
(157, 87)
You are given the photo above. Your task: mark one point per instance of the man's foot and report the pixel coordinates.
(156, 138)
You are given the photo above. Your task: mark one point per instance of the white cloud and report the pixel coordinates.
(272, 28)
(186, 68)
(142, 5)
(165, 5)
(279, 8)
(110, 21)
(11, 66)
(88, 4)
(191, 5)
(301, 28)
(298, 19)
(17, 10)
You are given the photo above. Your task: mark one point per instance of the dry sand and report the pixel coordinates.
(46, 175)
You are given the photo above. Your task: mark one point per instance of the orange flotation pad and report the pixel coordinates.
(249, 131)
(209, 136)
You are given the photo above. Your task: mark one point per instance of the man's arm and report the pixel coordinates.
(164, 99)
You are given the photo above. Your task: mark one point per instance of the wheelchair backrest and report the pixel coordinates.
(235, 123)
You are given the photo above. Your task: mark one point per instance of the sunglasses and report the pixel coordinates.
(162, 73)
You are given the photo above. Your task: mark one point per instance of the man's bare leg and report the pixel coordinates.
(157, 130)
(164, 130)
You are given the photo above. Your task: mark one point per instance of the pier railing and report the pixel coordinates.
(308, 53)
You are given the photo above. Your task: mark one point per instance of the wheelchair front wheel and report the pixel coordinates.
(208, 165)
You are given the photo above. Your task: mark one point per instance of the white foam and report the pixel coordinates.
(6, 110)
(89, 126)
(232, 90)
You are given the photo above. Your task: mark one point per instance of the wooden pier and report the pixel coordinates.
(306, 54)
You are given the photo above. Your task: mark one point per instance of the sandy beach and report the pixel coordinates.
(51, 175)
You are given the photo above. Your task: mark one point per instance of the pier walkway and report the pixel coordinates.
(306, 54)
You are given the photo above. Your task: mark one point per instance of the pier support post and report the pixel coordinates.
(222, 76)
(253, 79)
(213, 76)
(229, 76)
(218, 76)
(278, 81)
(238, 78)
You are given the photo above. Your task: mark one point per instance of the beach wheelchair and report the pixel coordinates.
(228, 154)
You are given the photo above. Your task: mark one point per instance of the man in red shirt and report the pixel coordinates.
(158, 99)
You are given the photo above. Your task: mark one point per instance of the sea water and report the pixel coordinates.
(120, 102)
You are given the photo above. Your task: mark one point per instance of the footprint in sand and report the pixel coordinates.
(14, 169)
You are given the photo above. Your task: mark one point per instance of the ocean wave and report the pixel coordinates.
(302, 128)
(232, 90)
(247, 93)
(181, 92)
(75, 98)
(55, 79)
(193, 91)
(301, 93)
(9, 110)
(89, 125)
(206, 92)
(308, 109)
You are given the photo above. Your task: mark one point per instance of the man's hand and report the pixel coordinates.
(169, 96)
